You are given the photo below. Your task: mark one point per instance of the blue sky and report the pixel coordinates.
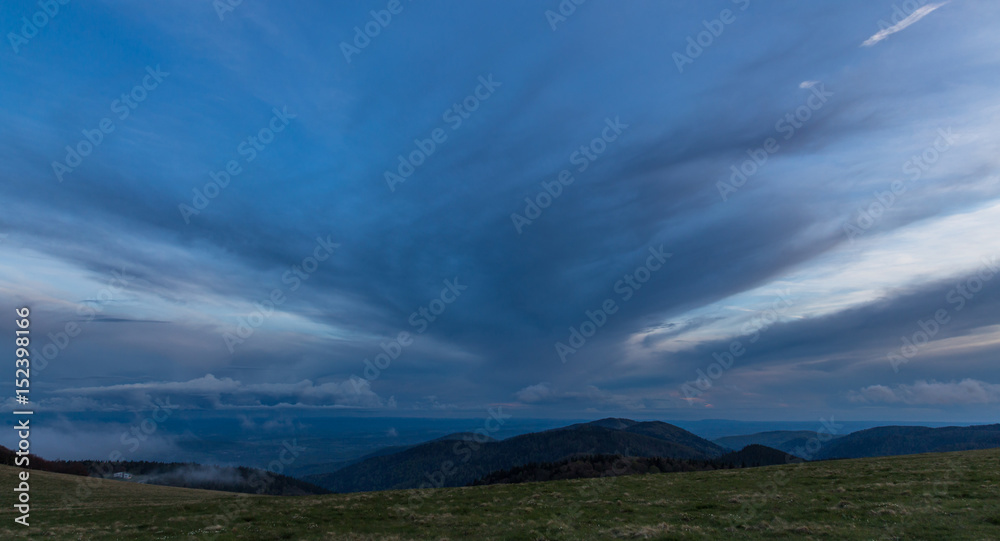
(865, 212)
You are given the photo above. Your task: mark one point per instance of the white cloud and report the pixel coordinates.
(210, 391)
(534, 393)
(902, 25)
(590, 396)
(876, 267)
(923, 393)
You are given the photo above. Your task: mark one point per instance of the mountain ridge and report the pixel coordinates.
(908, 440)
(457, 463)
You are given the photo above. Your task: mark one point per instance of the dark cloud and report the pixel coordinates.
(323, 177)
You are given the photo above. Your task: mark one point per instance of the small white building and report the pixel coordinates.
(123, 475)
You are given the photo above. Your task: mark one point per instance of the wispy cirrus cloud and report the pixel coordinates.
(918, 14)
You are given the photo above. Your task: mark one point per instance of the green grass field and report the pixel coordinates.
(933, 497)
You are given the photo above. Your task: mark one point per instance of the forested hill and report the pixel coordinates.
(908, 440)
(458, 463)
(590, 466)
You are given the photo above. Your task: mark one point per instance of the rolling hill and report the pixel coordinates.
(460, 462)
(675, 434)
(754, 456)
(906, 440)
(931, 496)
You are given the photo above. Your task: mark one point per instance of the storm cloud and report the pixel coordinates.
(239, 238)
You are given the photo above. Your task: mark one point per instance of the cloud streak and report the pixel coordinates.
(911, 19)
(932, 393)
(226, 393)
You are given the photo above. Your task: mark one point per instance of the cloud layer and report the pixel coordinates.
(923, 393)
(819, 199)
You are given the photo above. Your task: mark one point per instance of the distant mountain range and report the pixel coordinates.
(561, 453)
(796, 442)
(575, 451)
(908, 440)
(873, 442)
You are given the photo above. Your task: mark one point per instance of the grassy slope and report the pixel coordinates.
(941, 496)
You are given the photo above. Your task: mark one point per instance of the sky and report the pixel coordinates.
(701, 210)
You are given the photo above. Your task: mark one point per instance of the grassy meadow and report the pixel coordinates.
(933, 496)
